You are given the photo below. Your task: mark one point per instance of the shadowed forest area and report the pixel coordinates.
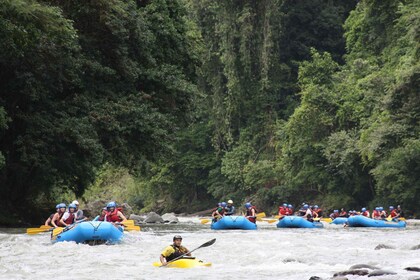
(175, 105)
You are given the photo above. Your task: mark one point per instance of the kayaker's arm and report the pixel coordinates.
(162, 260)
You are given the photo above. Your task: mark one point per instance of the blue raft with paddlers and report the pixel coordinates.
(92, 232)
(339, 221)
(234, 222)
(362, 221)
(297, 222)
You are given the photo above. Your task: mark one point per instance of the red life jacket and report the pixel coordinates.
(366, 213)
(289, 211)
(249, 214)
(282, 211)
(71, 219)
(394, 213)
(113, 216)
(375, 213)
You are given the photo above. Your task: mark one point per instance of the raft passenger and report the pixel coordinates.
(394, 214)
(48, 221)
(69, 217)
(365, 212)
(308, 213)
(79, 212)
(251, 212)
(230, 209)
(113, 214)
(334, 214)
(219, 212)
(55, 221)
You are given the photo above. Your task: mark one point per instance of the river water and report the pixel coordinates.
(268, 253)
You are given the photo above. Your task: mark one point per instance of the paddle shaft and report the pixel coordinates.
(208, 243)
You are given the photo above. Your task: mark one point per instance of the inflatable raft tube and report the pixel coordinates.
(234, 222)
(339, 221)
(297, 222)
(362, 221)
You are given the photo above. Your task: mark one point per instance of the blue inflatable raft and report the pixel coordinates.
(297, 222)
(339, 221)
(362, 221)
(93, 232)
(234, 222)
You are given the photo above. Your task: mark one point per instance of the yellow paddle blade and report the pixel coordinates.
(261, 215)
(36, 230)
(128, 223)
(327, 220)
(204, 221)
(270, 221)
(57, 231)
(44, 226)
(132, 228)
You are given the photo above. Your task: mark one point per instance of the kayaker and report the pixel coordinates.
(308, 213)
(230, 209)
(251, 212)
(69, 217)
(343, 213)
(48, 221)
(55, 221)
(290, 209)
(79, 212)
(400, 211)
(376, 214)
(219, 212)
(394, 214)
(113, 214)
(173, 251)
(365, 212)
(283, 210)
(334, 214)
(382, 213)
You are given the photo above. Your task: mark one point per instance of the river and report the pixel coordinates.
(268, 253)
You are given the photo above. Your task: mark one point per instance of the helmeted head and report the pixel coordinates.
(75, 202)
(342, 210)
(62, 207)
(177, 240)
(230, 202)
(381, 208)
(284, 204)
(377, 208)
(103, 210)
(57, 206)
(111, 205)
(290, 206)
(336, 211)
(363, 209)
(391, 207)
(223, 204)
(306, 206)
(316, 206)
(399, 207)
(248, 205)
(72, 207)
(219, 204)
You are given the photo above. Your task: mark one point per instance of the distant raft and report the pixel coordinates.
(297, 222)
(184, 263)
(339, 221)
(234, 222)
(93, 232)
(362, 221)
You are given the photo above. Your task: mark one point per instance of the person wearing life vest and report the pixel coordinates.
(308, 214)
(382, 213)
(55, 221)
(101, 217)
(79, 212)
(113, 214)
(400, 211)
(317, 211)
(365, 212)
(173, 251)
(251, 212)
(302, 210)
(230, 209)
(334, 214)
(343, 213)
(48, 221)
(69, 217)
(219, 212)
(290, 210)
(283, 211)
(376, 214)
(393, 213)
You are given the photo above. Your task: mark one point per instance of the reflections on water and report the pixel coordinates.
(268, 253)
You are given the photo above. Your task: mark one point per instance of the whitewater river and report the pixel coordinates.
(268, 253)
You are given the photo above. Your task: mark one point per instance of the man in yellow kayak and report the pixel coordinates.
(173, 251)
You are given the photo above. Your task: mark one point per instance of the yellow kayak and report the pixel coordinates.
(184, 263)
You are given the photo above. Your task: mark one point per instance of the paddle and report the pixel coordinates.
(32, 231)
(207, 244)
(204, 221)
(132, 228)
(59, 230)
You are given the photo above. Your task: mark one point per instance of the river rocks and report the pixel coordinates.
(359, 272)
(94, 208)
(358, 266)
(126, 209)
(153, 218)
(412, 268)
(170, 218)
(340, 278)
(417, 247)
(137, 219)
(383, 246)
(381, 272)
(315, 278)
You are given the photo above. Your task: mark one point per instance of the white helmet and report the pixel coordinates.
(75, 202)
(230, 201)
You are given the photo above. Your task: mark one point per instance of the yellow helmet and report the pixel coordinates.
(230, 201)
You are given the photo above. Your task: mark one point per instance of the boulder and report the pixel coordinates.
(381, 272)
(94, 208)
(383, 246)
(127, 209)
(358, 266)
(137, 219)
(412, 268)
(170, 218)
(315, 278)
(417, 247)
(152, 218)
(340, 278)
(360, 272)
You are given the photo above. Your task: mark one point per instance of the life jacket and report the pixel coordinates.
(375, 214)
(101, 218)
(334, 215)
(179, 251)
(317, 211)
(343, 214)
(113, 216)
(249, 214)
(365, 213)
(283, 211)
(71, 219)
(290, 211)
(394, 213)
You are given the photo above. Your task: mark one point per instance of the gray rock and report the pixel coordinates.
(137, 219)
(412, 268)
(126, 209)
(152, 218)
(360, 272)
(288, 260)
(340, 278)
(417, 247)
(368, 266)
(315, 278)
(94, 208)
(170, 218)
(381, 272)
(383, 246)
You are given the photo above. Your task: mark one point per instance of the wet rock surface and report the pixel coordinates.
(381, 272)
(384, 246)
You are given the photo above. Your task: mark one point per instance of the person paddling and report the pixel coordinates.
(69, 217)
(101, 217)
(290, 210)
(79, 212)
(173, 251)
(382, 213)
(365, 212)
(376, 214)
(334, 214)
(49, 220)
(308, 214)
(113, 214)
(230, 209)
(251, 212)
(283, 211)
(55, 221)
(394, 214)
(343, 213)
(219, 212)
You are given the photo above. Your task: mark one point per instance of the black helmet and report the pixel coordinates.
(177, 237)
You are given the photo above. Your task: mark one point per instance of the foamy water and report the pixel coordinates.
(268, 253)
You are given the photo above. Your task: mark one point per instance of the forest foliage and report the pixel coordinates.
(175, 105)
